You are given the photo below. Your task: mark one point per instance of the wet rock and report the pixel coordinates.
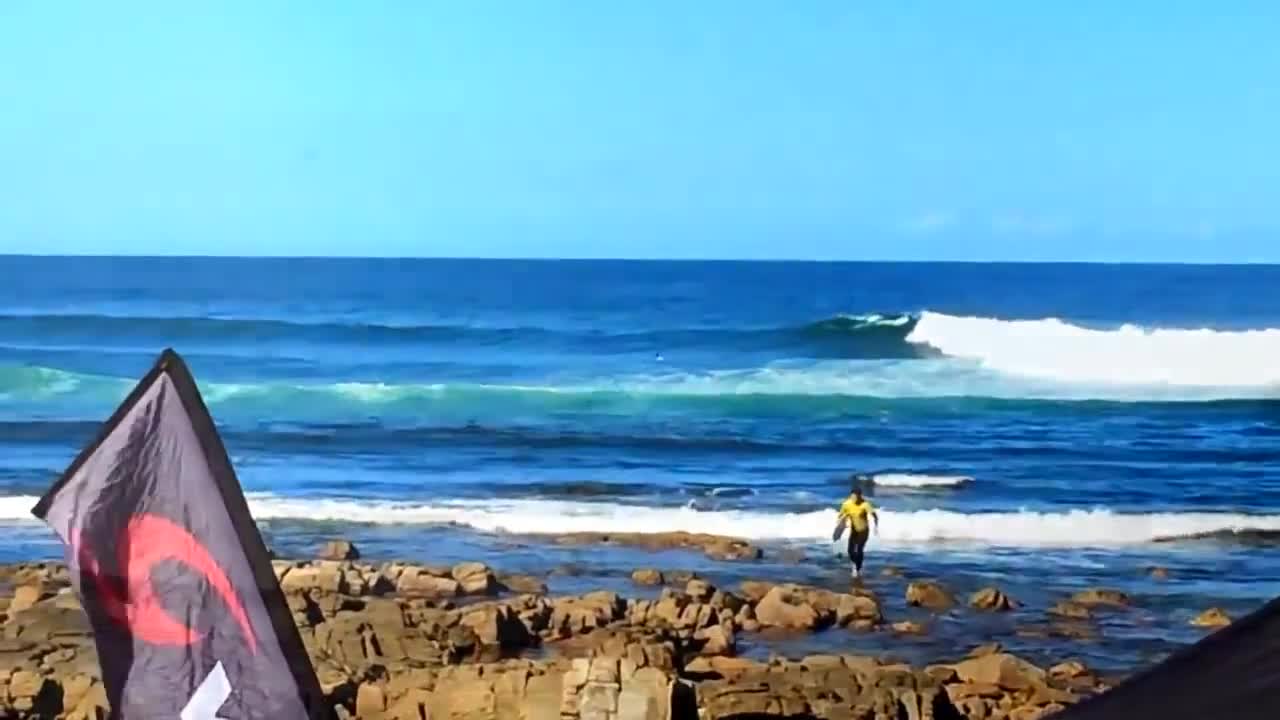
(1212, 618)
(715, 546)
(930, 595)
(1068, 670)
(339, 550)
(648, 577)
(787, 607)
(891, 571)
(1071, 610)
(1098, 597)
(992, 600)
(860, 611)
(1158, 573)
(1000, 669)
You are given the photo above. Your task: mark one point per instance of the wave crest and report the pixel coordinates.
(914, 481)
(1127, 356)
(1074, 528)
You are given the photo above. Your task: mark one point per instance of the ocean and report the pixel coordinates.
(1039, 427)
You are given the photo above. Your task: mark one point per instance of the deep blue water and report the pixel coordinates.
(1019, 414)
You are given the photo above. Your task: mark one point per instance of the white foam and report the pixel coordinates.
(1075, 528)
(879, 319)
(1130, 355)
(920, 481)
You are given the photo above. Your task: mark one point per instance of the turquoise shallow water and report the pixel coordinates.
(1039, 426)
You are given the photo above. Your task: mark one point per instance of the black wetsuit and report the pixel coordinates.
(858, 543)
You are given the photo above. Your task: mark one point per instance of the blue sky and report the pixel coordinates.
(860, 130)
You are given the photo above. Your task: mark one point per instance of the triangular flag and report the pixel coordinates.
(188, 617)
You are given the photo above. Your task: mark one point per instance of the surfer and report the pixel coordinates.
(857, 512)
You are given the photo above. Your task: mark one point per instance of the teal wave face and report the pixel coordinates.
(811, 390)
(867, 336)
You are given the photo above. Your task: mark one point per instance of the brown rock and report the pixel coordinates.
(1068, 670)
(25, 597)
(715, 546)
(1071, 610)
(961, 691)
(498, 625)
(1158, 573)
(717, 640)
(928, 594)
(860, 611)
(785, 606)
(993, 600)
(474, 578)
(317, 577)
(984, 650)
(573, 616)
(1212, 618)
(1044, 695)
(524, 584)
(370, 701)
(647, 576)
(700, 590)
(1098, 597)
(679, 577)
(339, 550)
(417, 582)
(75, 688)
(755, 590)
(1007, 671)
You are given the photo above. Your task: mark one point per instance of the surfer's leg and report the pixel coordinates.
(857, 544)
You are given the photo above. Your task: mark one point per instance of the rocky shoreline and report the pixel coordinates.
(410, 642)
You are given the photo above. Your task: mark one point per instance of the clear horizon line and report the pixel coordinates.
(588, 258)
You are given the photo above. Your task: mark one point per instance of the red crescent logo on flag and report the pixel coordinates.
(145, 542)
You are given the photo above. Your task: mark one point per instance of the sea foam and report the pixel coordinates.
(1129, 355)
(1075, 528)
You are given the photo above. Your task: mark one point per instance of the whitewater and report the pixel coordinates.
(1077, 528)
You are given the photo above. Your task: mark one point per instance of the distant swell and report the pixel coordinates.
(1078, 528)
(873, 335)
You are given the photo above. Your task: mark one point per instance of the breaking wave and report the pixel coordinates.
(1126, 356)
(920, 481)
(1076, 528)
(884, 356)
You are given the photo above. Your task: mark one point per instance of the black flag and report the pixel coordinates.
(187, 614)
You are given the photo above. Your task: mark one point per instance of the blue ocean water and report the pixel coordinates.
(1022, 421)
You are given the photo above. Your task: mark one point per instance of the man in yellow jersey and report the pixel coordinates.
(858, 513)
